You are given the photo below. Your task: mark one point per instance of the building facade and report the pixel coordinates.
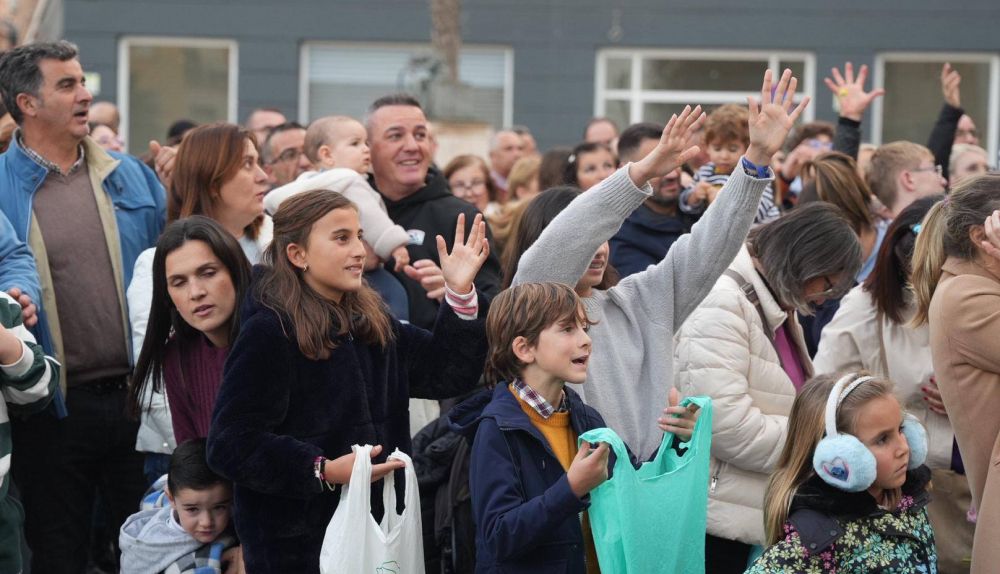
(547, 64)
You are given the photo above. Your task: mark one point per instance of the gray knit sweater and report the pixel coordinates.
(631, 364)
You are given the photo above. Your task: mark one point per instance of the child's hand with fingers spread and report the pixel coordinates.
(677, 419)
(460, 267)
(589, 468)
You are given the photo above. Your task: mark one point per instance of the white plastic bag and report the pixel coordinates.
(355, 543)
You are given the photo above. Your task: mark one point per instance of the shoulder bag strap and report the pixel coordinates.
(751, 295)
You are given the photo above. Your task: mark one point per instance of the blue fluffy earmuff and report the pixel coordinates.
(842, 461)
(916, 437)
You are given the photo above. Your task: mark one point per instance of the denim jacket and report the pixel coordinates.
(132, 209)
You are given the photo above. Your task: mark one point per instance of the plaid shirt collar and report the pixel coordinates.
(537, 401)
(48, 165)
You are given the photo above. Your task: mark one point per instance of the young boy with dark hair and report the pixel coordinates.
(727, 136)
(192, 534)
(528, 479)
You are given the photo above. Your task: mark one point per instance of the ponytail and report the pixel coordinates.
(928, 258)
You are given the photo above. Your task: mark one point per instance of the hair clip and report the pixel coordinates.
(571, 158)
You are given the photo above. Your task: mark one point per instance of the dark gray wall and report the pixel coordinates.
(554, 41)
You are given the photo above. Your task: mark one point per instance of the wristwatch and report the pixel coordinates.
(758, 171)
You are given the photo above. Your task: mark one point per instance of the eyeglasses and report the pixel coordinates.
(829, 290)
(937, 168)
(467, 187)
(290, 154)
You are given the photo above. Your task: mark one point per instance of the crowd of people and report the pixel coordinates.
(191, 342)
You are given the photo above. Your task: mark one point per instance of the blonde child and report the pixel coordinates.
(727, 137)
(855, 498)
(529, 482)
(337, 146)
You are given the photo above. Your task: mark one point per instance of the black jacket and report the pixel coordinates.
(429, 212)
(278, 410)
(644, 239)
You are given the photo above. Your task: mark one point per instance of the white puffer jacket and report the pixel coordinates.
(850, 342)
(722, 351)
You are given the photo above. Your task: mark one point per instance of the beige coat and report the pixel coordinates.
(722, 351)
(965, 345)
(850, 342)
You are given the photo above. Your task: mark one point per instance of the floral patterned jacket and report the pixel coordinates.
(834, 532)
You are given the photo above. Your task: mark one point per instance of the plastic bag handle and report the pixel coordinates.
(697, 434)
(614, 441)
(361, 478)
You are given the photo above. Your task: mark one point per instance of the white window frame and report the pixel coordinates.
(124, 64)
(636, 96)
(992, 102)
(508, 81)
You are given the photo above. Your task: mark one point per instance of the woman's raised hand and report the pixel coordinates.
(673, 149)
(772, 117)
(461, 265)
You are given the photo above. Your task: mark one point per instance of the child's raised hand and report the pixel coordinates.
(402, 258)
(461, 265)
(589, 468)
(338, 470)
(673, 149)
(677, 419)
(772, 117)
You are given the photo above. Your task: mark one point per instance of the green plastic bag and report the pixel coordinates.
(652, 520)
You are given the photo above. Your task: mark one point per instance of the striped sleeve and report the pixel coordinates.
(29, 383)
(767, 209)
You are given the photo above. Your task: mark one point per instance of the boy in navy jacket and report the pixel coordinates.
(529, 481)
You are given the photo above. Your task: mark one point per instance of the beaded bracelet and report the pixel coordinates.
(319, 471)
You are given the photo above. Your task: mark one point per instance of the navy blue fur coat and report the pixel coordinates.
(278, 410)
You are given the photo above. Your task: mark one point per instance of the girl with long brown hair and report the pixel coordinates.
(320, 365)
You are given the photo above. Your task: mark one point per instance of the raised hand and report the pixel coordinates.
(850, 91)
(951, 82)
(589, 468)
(772, 117)
(991, 244)
(677, 419)
(164, 158)
(338, 470)
(673, 149)
(460, 267)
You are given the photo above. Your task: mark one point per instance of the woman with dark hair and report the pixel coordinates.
(535, 218)
(319, 366)
(871, 332)
(217, 175)
(200, 275)
(589, 164)
(744, 348)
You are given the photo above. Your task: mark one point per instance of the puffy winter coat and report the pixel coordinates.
(723, 351)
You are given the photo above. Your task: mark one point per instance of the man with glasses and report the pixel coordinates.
(652, 228)
(903, 172)
(283, 154)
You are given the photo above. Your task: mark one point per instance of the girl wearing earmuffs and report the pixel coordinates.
(849, 492)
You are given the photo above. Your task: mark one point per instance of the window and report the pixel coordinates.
(346, 78)
(650, 85)
(913, 96)
(162, 80)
